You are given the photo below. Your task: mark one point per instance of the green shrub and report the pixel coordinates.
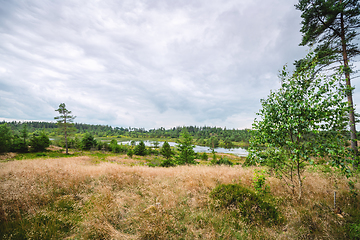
(18, 145)
(259, 180)
(242, 202)
(204, 157)
(354, 231)
(152, 151)
(116, 148)
(222, 161)
(40, 154)
(130, 153)
(88, 141)
(167, 163)
(39, 143)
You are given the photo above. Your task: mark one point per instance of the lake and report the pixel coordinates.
(235, 151)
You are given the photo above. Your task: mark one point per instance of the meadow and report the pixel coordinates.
(113, 196)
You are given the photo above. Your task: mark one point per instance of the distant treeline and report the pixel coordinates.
(211, 136)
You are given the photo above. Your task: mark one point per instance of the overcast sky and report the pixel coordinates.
(145, 63)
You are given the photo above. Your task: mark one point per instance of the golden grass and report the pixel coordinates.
(111, 201)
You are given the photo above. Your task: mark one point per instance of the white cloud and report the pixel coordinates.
(145, 63)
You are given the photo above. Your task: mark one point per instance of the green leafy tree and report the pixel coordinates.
(88, 141)
(64, 122)
(186, 149)
(5, 138)
(140, 149)
(39, 143)
(332, 26)
(303, 120)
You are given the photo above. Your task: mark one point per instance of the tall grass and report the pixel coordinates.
(79, 198)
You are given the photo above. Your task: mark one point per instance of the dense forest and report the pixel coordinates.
(206, 136)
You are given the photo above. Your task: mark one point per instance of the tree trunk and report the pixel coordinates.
(299, 179)
(353, 137)
(66, 143)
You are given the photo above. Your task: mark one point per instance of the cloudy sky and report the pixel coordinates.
(145, 63)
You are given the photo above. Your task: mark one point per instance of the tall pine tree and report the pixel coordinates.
(331, 27)
(64, 122)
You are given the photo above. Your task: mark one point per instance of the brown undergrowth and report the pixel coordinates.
(75, 198)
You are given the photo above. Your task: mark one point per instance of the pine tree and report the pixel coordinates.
(64, 122)
(331, 26)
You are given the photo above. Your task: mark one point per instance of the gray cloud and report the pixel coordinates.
(144, 63)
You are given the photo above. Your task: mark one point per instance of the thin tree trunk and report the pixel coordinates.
(299, 179)
(353, 137)
(66, 143)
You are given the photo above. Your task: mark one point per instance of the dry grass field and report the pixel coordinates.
(82, 198)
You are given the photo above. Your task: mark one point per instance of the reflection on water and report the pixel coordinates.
(236, 151)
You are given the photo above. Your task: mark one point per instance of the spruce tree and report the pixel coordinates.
(140, 149)
(186, 149)
(166, 150)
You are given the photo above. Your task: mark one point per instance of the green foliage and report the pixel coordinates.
(354, 230)
(22, 147)
(213, 142)
(214, 159)
(242, 202)
(353, 191)
(39, 143)
(305, 118)
(5, 138)
(18, 145)
(166, 150)
(322, 27)
(167, 162)
(186, 149)
(115, 147)
(259, 182)
(140, 149)
(332, 26)
(204, 157)
(88, 141)
(74, 143)
(201, 135)
(130, 152)
(156, 144)
(221, 161)
(64, 123)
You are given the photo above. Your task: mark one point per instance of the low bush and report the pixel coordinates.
(222, 161)
(167, 163)
(242, 202)
(39, 143)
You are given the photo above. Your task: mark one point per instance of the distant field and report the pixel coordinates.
(87, 198)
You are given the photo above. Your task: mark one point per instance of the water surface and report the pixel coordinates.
(235, 151)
